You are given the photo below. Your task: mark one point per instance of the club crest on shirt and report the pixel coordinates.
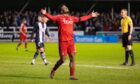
(70, 21)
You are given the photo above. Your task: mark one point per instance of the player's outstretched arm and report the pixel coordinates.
(51, 17)
(93, 14)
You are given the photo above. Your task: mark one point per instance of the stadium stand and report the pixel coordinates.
(107, 21)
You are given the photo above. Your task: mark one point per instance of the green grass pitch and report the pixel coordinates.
(96, 64)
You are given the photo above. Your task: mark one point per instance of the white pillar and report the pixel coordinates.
(112, 13)
(129, 5)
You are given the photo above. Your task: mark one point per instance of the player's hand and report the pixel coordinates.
(94, 14)
(49, 39)
(129, 37)
(43, 11)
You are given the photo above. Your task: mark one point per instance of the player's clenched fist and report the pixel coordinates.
(94, 14)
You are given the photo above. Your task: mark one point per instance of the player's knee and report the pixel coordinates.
(125, 48)
(41, 50)
(72, 59)
(42, 53)
(63, 60)
(36, 53)
(129, 47)
(20, 42)
(71, 56)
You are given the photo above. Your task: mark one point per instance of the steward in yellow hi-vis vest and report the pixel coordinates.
(125, 24)
(127, 30)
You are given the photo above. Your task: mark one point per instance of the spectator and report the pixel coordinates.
(103, 22)
(106, 26)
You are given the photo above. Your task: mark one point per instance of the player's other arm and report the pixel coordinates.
(84, 18)
(131, 26)
(51, 17)
(130, 23)
(33, 31)
(47, 34)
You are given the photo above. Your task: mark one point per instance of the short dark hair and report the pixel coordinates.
(124, 9)
(60, 6)
(23, 19)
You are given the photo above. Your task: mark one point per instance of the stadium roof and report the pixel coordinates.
(37, 4)
(113, 0)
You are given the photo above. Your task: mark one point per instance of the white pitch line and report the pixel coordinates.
(99, 66)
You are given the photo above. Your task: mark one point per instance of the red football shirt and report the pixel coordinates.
(23, 30)
(66, 24)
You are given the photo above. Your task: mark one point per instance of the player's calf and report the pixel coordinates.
(18, 45)
(131, 53)
(126, 58)
(44, 58)
(57, 65)
(34, 58)
(26, 49)
(72, 67)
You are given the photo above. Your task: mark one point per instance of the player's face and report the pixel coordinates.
(123, 13)
(64, 9)
(25, 21)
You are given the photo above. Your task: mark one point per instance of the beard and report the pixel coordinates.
(65, 12)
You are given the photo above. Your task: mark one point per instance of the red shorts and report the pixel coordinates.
(23, 38)
(66, 47)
